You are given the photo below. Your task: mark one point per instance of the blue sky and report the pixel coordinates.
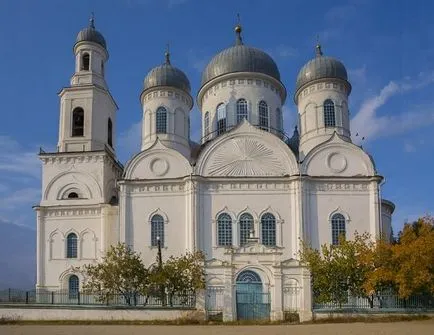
(388, 51)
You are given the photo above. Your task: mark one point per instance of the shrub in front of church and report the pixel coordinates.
(122, 275)
(365, 268)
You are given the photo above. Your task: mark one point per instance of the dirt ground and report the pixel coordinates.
(395, 328)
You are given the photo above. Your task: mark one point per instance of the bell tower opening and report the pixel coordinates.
(85, 62)
(78, 122)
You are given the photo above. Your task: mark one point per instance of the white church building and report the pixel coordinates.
(245, 195)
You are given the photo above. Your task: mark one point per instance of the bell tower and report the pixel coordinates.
(87, 109)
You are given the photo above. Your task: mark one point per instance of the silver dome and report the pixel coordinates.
(318, 68)
(90, 34)
(167, 75)
(240, 58)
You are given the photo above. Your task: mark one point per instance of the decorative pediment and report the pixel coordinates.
(247, 151)
(214, 262)
(157, 162)
(338, 157)
(255, 248)
(290, 262)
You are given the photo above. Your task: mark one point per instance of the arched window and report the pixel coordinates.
(241, 110)
(157, 230)
(73, 287)
(110, 132)
(248, 276)
(206, 125)
(224, 230)
(279, 120)
(71, 246)
(263, 115)
(246, 227)
(338, 228)
(78, 122)
(161, 120)
(85, 62)
(72, 195)
(221, 119)
(329, 114)
(268, 229)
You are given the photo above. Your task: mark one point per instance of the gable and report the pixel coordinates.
(246, 151)
(337, 157)
(157, 162)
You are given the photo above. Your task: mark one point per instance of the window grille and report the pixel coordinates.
(224, 230)
(161, 120)
(263, 115)
(157, 230)
(241, 110)
(73, 287)
(246, 226)
(268, 226)
(71, 246)
(221, 119)
(329, 114)
(338, 228)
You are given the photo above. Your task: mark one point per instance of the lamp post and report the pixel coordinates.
(160, 269)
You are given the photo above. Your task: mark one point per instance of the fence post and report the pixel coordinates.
(52, 297)
(27, 297)
(78, 298)
(9, 295)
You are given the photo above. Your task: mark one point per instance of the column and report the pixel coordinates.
(229, 309)
(276, 297)
(305, 312)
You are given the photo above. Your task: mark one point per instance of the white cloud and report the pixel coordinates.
(283, 51)
(408, 147)
(26, 196)
(16, 160)
(367, 123)
(357, 75)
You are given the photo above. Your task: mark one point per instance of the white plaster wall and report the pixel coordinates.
(228, 90)
(311, 113)
(352, 198)
(95, 75)
(73, 314)
(142, 205)
(178, 105)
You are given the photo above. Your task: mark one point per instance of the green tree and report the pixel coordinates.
(339, 270)
(121, 272)
(180, 276)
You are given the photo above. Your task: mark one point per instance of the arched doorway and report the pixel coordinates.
(252, 302)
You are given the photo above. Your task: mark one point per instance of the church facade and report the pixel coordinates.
(246, 195)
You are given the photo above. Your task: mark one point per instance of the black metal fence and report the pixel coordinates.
(387, 302)
(35, 297)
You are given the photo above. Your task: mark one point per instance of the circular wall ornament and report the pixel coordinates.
(336, 162)
(159, 166)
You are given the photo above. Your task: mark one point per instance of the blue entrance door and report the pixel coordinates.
(252, 302)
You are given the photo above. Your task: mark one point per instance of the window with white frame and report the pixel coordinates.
(246, 227)
(221, 119)
(263, 115)
(157, 230)
(161, 120)
(224, 230)
(268, 229)
(73, 287)
(329, 114)
(242, 112)
(71, 245)
(338, 228)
